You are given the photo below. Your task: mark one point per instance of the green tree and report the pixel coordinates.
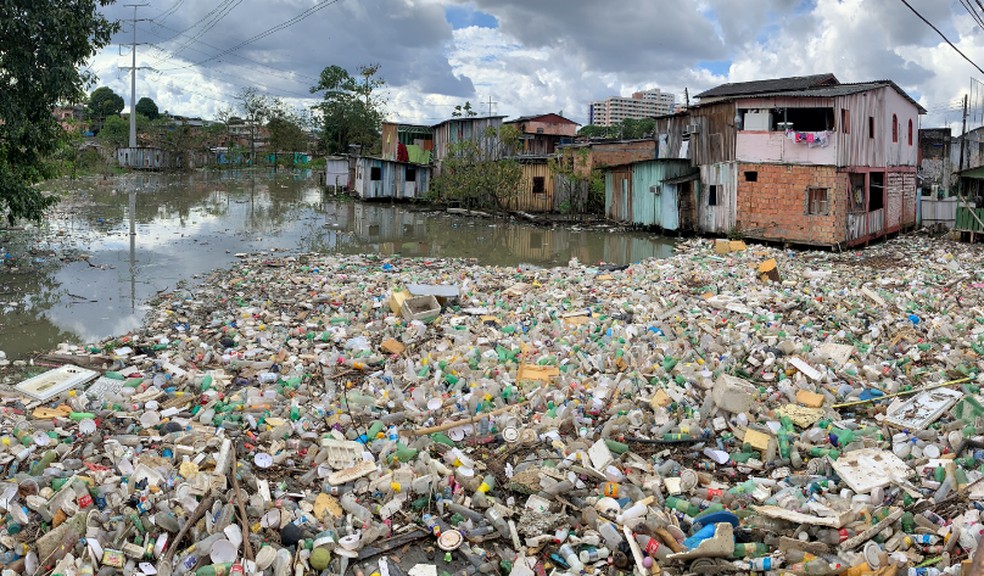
(255, 109)
(287, 133)
(465, 110)
(148, 108)
(351, 110)
(43, 47)
(635, 128)
(475, 175)
(103, 103)
(115, 132)
(583, 187)
(595, 131)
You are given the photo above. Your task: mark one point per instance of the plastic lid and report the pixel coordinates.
(510, 435)
(263, 460)
(350, 542)
(223, 551)
(872, 553)
(449, 540)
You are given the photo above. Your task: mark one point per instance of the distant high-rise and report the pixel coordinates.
(645, 104)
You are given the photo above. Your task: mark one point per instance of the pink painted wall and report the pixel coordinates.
(754, 146)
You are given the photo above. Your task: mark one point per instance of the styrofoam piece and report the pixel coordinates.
(869, 468)
(837, 521)
(720, 545)
(733, 394)
(55, 381)
(923, 409)
(423, 308)
(363, 468)
(436, 290)
(341, 453)
(807, 370)
(600, 455)
(839, 354)
(104, 387)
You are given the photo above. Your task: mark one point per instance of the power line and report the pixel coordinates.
(937, 30)
(973, 13)
(272, 71)
(282, 26)
(164, 15)
(217, 14)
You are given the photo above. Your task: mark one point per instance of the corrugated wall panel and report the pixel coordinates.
(528, 201)
(719, 218)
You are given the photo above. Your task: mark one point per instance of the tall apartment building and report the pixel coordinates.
(645, 104)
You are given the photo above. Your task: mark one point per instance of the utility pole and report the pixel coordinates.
(490, 104)
(133, 75)
(963, 138)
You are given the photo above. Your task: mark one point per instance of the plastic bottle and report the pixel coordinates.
(613, 538)
(591, 555)
(832, 536)
(571, 557)
(653, 547)
(214, 569)
(357, 510)
(632, 513)
(496, 519)
(764, 564)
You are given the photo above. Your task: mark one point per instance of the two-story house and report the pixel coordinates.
(806, 160)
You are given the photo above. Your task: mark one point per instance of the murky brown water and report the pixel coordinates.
(83, 276)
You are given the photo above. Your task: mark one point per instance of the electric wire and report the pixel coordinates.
(943, 36)
(279, 27)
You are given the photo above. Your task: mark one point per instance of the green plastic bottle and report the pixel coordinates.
(221, 569)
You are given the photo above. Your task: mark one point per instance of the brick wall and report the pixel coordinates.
(774, 206)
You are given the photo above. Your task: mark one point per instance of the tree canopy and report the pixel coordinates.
(475, 174)
(352, 109)
(104, 103)
(43, 47)
(148, 108)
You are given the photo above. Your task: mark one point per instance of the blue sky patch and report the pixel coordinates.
(716, 67)
(464, 16)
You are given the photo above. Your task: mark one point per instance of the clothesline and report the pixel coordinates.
(812, 139)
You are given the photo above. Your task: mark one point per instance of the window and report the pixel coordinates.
(845, 121)
(751, 176)
(895, 128)
(375, 173)
(876, 191)
(856, 199)
(910, 131)
(817, 201)
(539, 185)
(871, 126)
(411, 174)
(712, 194)
(803, 119)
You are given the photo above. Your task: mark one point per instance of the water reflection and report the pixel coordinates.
(113, 244)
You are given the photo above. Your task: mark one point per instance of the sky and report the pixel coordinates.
(523, 57)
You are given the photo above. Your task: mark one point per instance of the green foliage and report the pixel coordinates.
(475, 176)
(115, 132)
(287, 132)
(635, 128)
(43, 48)
(736, 233)
(104, 103)
(593, 131)
(465, 111)
(351, 110)
(583, 187)
(147, 107)
(628, 129)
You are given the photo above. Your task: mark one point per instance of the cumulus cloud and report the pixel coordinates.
(543, 56)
